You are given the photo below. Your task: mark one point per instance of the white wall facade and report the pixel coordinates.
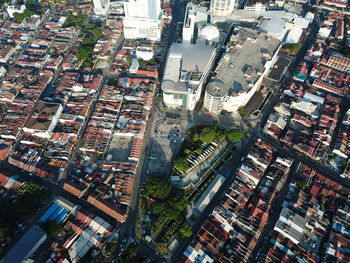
(100, 8)
(257, 7)
(222, 7)
(143, 20)
(142, 29)
(188, 29)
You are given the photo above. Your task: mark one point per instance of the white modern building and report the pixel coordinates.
(222, 7)
(186, 72)
(242, 68)
(208, 34)
(255, 6)
(145, 53)
(101, 7)
(188, 28)
(196, 17)
(215, 94)
(143, 20)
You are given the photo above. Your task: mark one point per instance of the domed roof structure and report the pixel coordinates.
(209, 33)
(217, 88)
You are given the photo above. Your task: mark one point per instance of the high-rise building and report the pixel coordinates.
(188, 28)
(101, 7)
(222, 7)
(143, 20)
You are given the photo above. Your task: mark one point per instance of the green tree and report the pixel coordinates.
(209, 134)
(178, 202)
(82, 53)
(141, 62)
(314, 11)
(158, 188)
(128, 60)
(113, 82)
(4, 233)
(76, 21)
(342, 164)
(176, 205)
(345, 50)
(19, 17)
(172, 214)
(30, 3)
(88, 63)
(301, 183)
(52, 228)
(242, 112)
(88, 41)
(29, 187)
(181, 164)
(234, 135)
(90, 26)
(161, 249)
(199, 150)
(96, 33)
(159, 208)
(292, 48)
(132, 248)
(186, 230)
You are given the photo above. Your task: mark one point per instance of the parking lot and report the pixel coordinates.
(165, 144)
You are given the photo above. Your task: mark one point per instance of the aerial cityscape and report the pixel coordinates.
(174, 131)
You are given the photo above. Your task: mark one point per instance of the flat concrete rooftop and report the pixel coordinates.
(185, 58)
(245, 63)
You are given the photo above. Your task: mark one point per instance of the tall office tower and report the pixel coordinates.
(143, 19)
(188, 27)
(222, 7)
(101, 7)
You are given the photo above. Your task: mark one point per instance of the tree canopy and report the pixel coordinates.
(19, 17)
(52, 228)
(158, 188)
(193, 144)
(169, 200)
(209, 134)
(292, 48)
(186, 230)
(113, 82)
(176, 205)
(96, 33)
(242, 111)
(13, 212)
(345, 50)
(159, 208)
(75, 20)
(234, 135)
(301, 182)
(181, 164)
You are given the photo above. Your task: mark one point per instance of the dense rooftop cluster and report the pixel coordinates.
(231, 232)
(111, 146)
(311, 218)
